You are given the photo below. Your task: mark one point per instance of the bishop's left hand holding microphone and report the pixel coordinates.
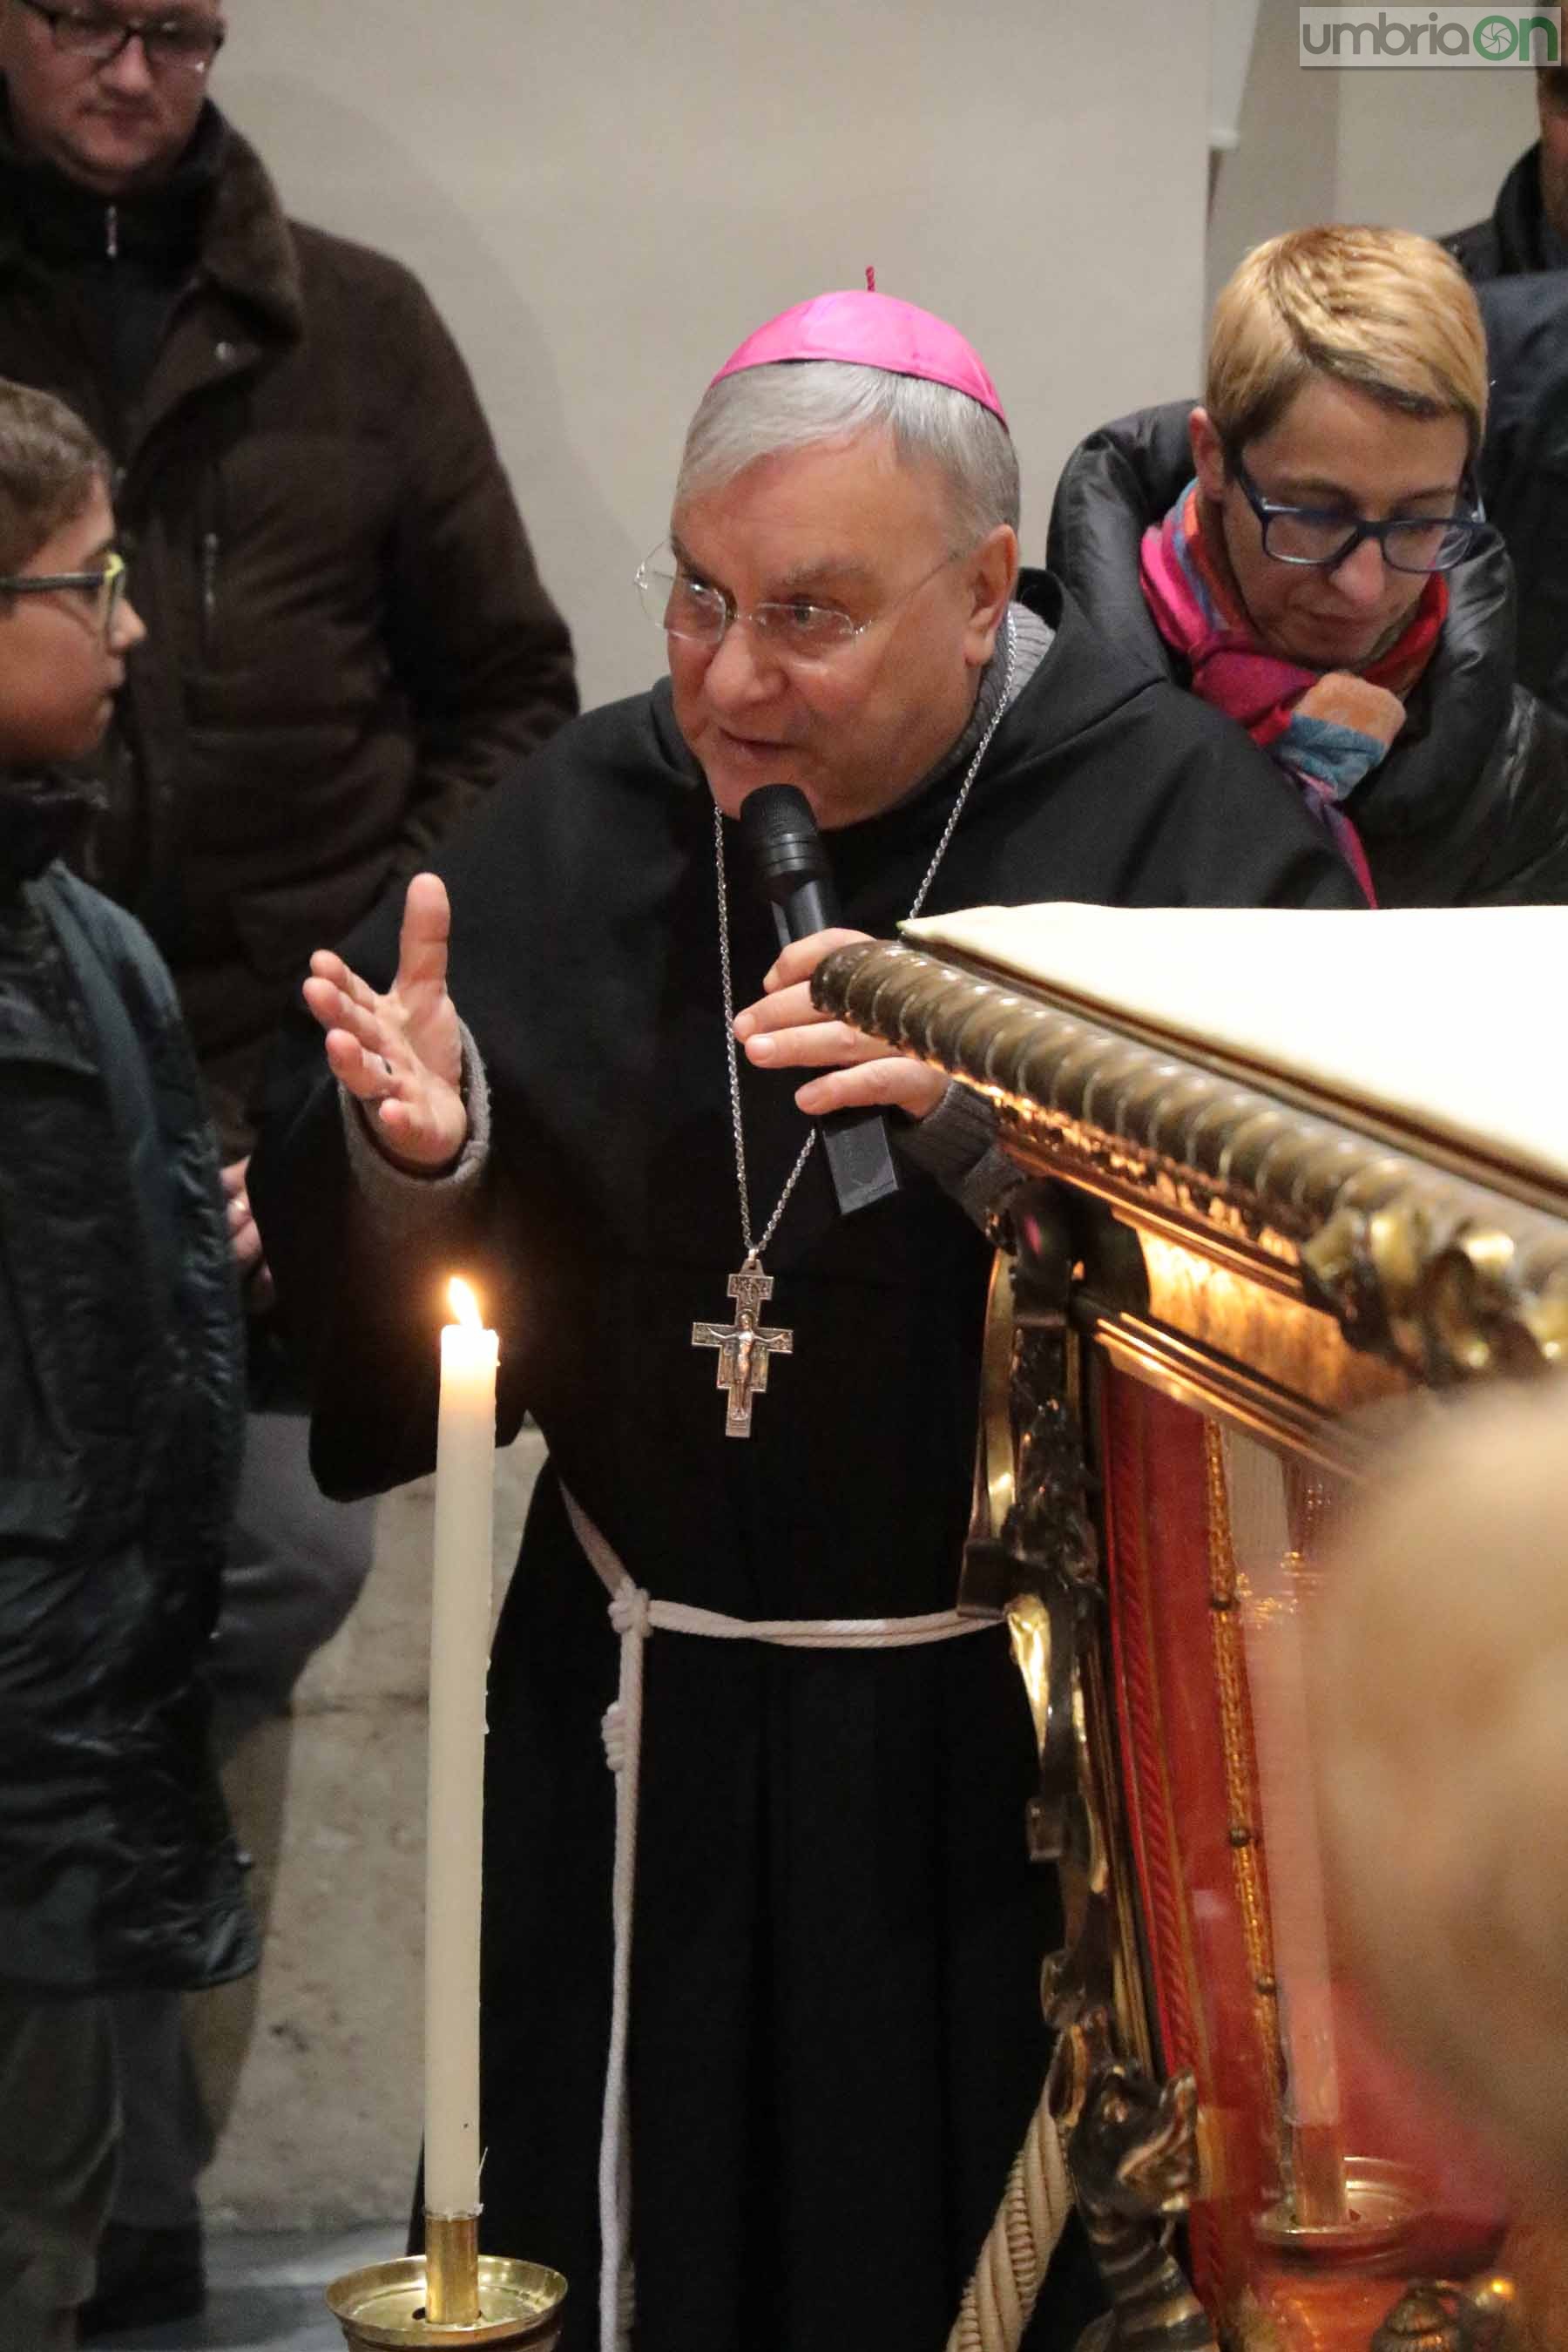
(784, 1030)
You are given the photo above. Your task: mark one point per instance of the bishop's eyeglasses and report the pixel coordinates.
(1322, 537)
(789, 625)
(105, 587)
(170, 43)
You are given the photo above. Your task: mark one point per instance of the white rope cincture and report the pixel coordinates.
(629, 1614)
(634, 1615)
(999, 2301)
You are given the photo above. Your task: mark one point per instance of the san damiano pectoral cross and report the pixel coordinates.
(744, 1346)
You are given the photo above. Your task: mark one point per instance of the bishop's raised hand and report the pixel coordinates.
(400, 1054)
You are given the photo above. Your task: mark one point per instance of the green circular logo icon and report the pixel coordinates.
(1497, 37)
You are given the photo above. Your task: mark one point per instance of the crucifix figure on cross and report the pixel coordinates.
(744, 1346)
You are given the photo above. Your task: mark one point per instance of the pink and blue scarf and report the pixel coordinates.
(1327, 729)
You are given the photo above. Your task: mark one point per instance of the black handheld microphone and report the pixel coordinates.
(791, 866)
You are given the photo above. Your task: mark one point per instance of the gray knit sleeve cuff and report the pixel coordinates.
(397, 1199)
(956, 1143)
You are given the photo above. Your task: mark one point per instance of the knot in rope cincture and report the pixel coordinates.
(612, 1730)
(629, 1607)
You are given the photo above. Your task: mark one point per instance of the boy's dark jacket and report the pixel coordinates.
(120, 1413)
(1470, 807)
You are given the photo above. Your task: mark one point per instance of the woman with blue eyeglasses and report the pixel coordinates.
(1307, 552)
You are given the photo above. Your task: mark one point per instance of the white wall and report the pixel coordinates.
(1282, 174)
(1416, 149)
(1428, 151)
(604, 197)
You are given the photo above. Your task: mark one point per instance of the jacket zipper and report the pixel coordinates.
(111, 231)
(209, 577)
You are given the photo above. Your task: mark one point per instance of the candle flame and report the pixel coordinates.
(464, 1305)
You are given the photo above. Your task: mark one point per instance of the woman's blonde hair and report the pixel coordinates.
(1380, 308)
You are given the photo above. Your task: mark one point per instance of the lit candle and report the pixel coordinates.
(459, 1644)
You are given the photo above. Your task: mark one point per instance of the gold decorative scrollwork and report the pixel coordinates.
(1419, 1257)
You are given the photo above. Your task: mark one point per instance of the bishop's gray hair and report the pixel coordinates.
(791, 404)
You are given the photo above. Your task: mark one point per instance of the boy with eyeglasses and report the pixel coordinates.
(1307, 553)
(120, 1398)
(351, 644)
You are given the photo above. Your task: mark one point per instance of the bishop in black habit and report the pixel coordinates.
(830, 1937)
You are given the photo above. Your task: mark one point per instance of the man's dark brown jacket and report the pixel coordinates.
(348, 638)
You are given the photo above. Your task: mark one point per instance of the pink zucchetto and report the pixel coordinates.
(869, 330)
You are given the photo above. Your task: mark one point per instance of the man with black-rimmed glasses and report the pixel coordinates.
(350, 642)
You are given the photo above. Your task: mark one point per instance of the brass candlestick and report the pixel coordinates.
(450, 2295)
(1365, 2215)
(1317, 2176)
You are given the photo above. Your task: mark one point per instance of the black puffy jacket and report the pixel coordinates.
(121, 1405)
(1470, 807)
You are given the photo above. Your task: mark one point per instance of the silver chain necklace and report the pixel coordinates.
(746, 1344)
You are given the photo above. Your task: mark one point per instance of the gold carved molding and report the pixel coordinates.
(1446, 1274)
